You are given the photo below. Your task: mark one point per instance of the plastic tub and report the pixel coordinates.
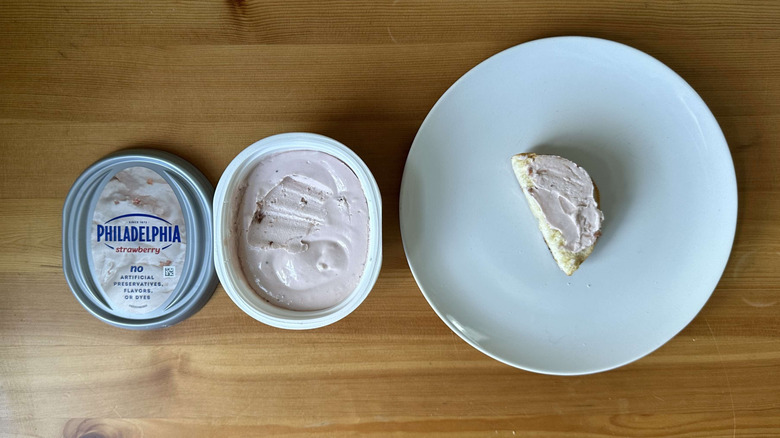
(228, 267)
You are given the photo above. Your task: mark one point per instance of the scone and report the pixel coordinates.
(565, 202)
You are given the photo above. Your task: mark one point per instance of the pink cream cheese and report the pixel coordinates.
(565, 194)
(302, 229)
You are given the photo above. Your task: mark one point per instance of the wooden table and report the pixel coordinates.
(204, 79)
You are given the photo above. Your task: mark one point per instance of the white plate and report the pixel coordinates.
(668, 192)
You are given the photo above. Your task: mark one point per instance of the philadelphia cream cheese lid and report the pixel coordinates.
(137, 248)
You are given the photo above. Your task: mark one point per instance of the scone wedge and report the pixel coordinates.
(565, 202)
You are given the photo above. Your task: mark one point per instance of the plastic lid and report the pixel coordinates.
(137, 247)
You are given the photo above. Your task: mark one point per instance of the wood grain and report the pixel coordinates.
(81, 78)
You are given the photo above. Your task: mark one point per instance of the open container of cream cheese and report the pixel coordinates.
(137, 239)
(297, 231)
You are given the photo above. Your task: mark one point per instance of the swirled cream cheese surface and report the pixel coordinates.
(565, 194)
(302, 228)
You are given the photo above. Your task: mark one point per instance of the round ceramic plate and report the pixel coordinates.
(668, 193)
